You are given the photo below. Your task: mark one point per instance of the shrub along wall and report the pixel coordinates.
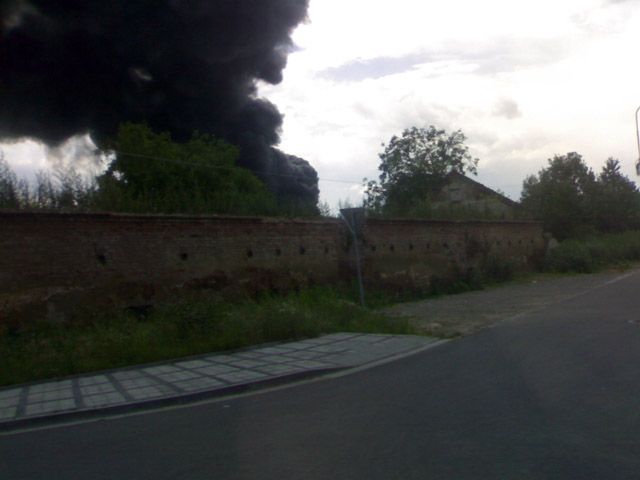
(52, 264)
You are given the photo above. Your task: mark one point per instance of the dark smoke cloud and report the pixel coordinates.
(84, 66)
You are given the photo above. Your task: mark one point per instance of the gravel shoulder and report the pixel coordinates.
(467, 313)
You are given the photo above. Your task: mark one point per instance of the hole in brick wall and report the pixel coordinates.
(101, 258)
(445, 245)
(278, 252)
(184, 257)
(373, 248)
(509, 243)
(392, 248)
(498, 242)
(249, 253)
(519, 242)
(411, 247)
(326, 250)
(303, 250)
(428, 245)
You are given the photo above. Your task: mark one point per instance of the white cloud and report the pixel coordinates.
(523, 80)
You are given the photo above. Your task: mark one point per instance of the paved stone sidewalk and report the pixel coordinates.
(208, 374)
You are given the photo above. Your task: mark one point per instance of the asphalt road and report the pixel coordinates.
(553, 394)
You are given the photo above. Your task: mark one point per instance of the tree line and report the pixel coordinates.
(573, 201)
(566, 195)
(148, 172)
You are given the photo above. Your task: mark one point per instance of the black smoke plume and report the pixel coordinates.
(70, 67)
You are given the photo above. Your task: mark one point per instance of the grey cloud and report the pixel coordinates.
(498, 55)
(610, 17)
(508, 108)
(505, 55)
(374, 68)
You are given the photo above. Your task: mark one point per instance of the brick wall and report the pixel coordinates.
(52, 263)
(405, 252)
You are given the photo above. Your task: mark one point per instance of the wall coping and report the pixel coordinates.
(160, 218)
(177, 218)
(420, 221)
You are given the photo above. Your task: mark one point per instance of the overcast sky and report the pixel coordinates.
(524, 80)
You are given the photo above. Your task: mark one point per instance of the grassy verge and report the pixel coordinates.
(185, 327)
(594, 253)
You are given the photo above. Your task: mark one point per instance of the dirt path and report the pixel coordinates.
(467, 313)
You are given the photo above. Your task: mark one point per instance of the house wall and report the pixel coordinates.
(53, 264)
(464, 194)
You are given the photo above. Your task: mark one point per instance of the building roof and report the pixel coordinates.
(483, 188)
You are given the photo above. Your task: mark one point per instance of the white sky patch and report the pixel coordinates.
(28, 157)
(523, 80)
(25, 157)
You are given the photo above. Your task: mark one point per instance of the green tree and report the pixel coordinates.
(149, 172)
(618, 201)
(413, 167)
(562, 195)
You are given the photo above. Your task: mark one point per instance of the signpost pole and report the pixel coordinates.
(638, 138)
(353, 218)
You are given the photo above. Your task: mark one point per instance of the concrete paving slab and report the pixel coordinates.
(93, 380)
(8, 413)
(193, 364)
(128, 375)
(10, 393)
(246, 363)
(9, 402)
(199, 384)
(214, 370)
(110, 398)
(195, 378)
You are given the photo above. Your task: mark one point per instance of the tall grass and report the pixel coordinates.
(594, 253)
(182, 328)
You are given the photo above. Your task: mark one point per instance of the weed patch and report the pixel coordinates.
(594, 253)
(187, 326)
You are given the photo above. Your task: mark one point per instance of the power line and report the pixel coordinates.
(271, 174)
(219, 167)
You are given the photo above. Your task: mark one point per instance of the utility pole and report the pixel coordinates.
(638, 138)
(354, 219)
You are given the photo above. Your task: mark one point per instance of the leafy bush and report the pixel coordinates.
(594, 253)
(570, 256)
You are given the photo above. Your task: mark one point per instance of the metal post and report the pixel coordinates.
(638, 138)
(352, 226)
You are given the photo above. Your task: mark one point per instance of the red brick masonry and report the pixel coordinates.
(57, 261)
